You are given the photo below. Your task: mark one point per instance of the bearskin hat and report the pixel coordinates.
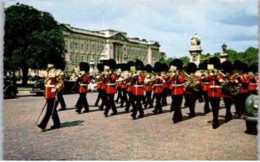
(139, 65)
(191, 68)
(237, 65)
(124, 67)
(157, 67)
(205, 64)
(227, 66)
(244, 68)
(178, 63)
(149, 68)
(84, 66)
(165, 67)
(215, 61)
(112, 64)
(100, 67)
(253, 68)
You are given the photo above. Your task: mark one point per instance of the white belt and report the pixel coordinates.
(253, 83)
(111, 84)
(177, 85)
(83, 84)
(205, 82)
(215, 86)
(49, 85)
(158, 85)
(138, 85)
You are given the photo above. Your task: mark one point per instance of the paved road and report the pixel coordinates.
(91, 136)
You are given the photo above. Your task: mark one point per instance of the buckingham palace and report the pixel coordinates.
(95, 46)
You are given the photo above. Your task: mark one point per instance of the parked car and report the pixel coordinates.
(69, 87)
(251, 114)
(10, 90)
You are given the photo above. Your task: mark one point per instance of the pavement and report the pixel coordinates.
(91, 136)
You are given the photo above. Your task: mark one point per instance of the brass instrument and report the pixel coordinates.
(192, 84)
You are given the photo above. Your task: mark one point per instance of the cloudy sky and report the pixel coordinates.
(171, 22)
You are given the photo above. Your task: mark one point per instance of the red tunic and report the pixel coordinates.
(177, 85)
(214, 87)
(244, 78)
(158, 86)
(83, 85)
(111, 86)
(139, 87)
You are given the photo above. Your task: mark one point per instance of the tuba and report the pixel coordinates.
(227, 87)
(191, 84)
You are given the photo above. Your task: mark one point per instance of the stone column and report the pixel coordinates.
(195, 49)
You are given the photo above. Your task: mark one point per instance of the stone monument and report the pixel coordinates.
(195, 49)
(223, 55)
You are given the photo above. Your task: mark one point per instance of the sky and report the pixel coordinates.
(170, 22)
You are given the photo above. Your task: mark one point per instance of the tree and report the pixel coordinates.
(31, 38)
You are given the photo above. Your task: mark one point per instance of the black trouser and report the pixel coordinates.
(82, 101)
(176, 105)
(103, 99)
(60, 100)
(228, 102)
(130, 101)
(124, 97)
(206, 99)
(214, 101)
(191, 99)
(98, 97)
(253, 92)
(119, 95)
(51, 111)
(110, 104)
(158, 106)
(240, 103)
(164, 96)
(148, 99)
(137, 106)
(187, 101)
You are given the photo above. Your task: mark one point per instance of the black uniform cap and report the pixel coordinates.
(112, 64)
(157, 67)
(253, 68)
(244, 68)
(139, 65)
(237, 65)
(215, 61)
(178, 63)
(227, 66)
(149, 68)
(205, 65)
(100, 67)
(191, 68)
(84, 66)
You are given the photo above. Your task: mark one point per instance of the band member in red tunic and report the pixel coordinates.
(148, 87)
(138, 93)
(124, 85)
(214, 92)
(83, 82)
(177, 85)
(227, 78)
(253, 79)
(99, 79)
(205, 87)
(51, 88)
(166, 79)
(110, 79)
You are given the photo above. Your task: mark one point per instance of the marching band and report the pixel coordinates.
(137, 85)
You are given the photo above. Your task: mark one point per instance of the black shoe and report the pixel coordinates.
(105, 114)
(151, 106)
(160, 112)
(114, 114)
(206, 111)
(77, 111)
(228, 118)
(41, 127)
(55, 126)
(133, 117)
(85, 111)
(126, 110)
(215, 125)
(191, 115)
(175, 120)
(140, 116)
(62, 109)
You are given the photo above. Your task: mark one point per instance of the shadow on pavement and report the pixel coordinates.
(66, 124)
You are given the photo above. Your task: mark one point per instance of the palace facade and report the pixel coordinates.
(95, 46)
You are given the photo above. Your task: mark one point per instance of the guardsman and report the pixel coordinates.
(60, 80)
(243, 80)
(166, 79)
(138, 92)
(51, 87)
(110, 79)
(227, 78)
(100, 68)
(205, 87)
(214, 91)
(83, 82)
(124, 85)
(148, 87)
(177, 85)
(190, 81)
(158, 87)
(119, 88)
(253, 79)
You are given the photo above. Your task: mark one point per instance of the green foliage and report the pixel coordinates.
(31, 38)
(185, 60)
